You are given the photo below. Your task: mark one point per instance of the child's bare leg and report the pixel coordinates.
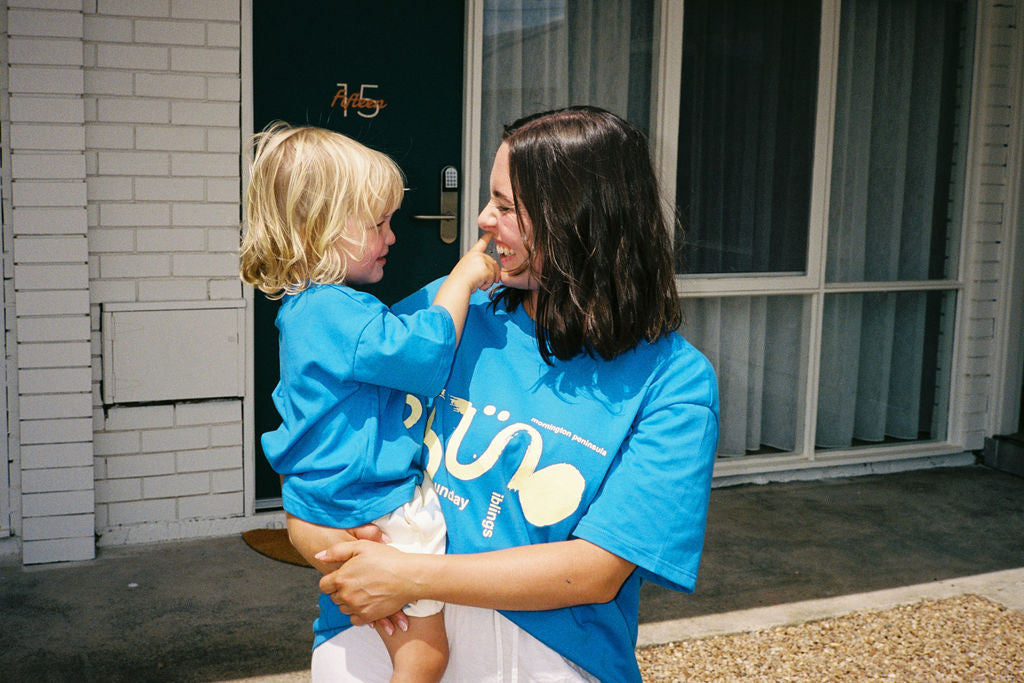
(421, 653)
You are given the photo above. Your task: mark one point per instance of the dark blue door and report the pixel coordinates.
(388, 74)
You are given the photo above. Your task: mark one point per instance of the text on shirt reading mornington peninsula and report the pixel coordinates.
(565, 432)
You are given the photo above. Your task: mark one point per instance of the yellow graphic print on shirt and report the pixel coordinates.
(547, 496)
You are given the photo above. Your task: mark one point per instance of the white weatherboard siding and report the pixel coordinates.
(997, 261)
(992, 226)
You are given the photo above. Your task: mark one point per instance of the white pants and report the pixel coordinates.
(418, 527)
(485, 648)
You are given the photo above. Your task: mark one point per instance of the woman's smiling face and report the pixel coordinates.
(499, 219)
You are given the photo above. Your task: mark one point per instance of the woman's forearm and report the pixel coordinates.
(374, 581)
(534, 577)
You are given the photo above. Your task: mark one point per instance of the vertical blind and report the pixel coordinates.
(888, 219)
(745, 151)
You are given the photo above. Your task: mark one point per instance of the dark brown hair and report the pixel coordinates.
(584, 177)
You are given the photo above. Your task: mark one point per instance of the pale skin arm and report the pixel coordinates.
(475, 270)
(309, 539)
(376, 580)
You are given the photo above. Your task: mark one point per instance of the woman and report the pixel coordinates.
(573, 444)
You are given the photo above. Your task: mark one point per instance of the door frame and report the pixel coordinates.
(248, 401)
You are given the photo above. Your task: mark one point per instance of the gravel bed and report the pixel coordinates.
(966, 638)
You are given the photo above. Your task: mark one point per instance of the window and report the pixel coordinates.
(863, 321)
(761, 343)
(746, 134)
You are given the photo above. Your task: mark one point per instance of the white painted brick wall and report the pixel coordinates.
(56, 405)
(164, 126)
(163, 240)
(47, 110)
(53, 221)
(49, 248)
(43, 457)
(59, 503)
(170, 463)
(167, 95)
(60, 550)
(46, 330)
(41, 276)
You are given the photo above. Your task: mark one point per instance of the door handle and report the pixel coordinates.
(449, 210)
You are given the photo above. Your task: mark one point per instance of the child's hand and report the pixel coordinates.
(477, 270)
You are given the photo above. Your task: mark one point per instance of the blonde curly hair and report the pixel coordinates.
(313, 196)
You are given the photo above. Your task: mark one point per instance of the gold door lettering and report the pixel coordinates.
(358, 100)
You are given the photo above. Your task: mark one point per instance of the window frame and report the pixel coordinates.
(811, 284)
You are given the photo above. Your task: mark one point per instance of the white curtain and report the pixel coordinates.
(887, 221)
(756, 347)
(545, 54)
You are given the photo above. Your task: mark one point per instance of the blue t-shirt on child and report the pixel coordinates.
(347, 364)
(618, 453)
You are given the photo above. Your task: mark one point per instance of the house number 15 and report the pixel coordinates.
(358, 101)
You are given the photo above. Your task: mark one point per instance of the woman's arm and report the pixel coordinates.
(375, 580)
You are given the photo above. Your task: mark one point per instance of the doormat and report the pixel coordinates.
(274, 543)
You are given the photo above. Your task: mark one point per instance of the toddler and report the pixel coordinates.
(318, 213)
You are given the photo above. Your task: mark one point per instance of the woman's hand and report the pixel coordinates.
(399, 620)
(311, 539)
(372, 581)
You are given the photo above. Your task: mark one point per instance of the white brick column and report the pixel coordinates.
(51, 279)
(991, 217)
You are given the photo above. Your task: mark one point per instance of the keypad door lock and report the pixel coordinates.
(449, 212)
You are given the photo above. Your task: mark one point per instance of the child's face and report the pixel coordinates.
(371, 268)
(499, 219)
